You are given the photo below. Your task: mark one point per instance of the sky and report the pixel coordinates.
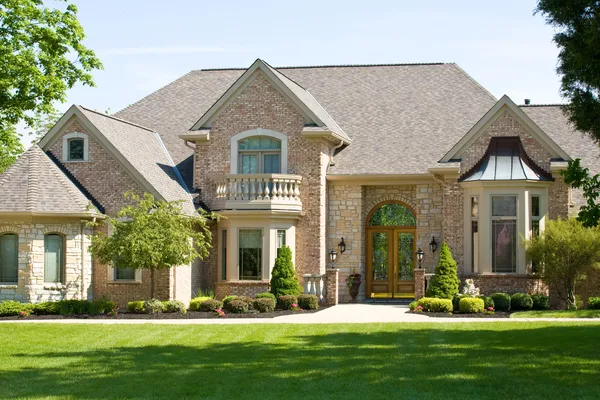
(145, 44)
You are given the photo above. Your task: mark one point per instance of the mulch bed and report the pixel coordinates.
(497, 314)
(189, 315)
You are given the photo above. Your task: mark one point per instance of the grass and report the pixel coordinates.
(525, 360)
(557, 314)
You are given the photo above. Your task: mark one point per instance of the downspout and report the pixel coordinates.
(187, 144)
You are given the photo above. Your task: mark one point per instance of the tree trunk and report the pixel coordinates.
(571, 301)
(152, 284)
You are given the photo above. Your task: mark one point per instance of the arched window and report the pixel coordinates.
(9, 258)
(392, 214)
(259, 155)
(75, 147)
(54, 258)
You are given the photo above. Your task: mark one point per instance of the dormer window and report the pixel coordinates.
(75, 147)
(259, 155)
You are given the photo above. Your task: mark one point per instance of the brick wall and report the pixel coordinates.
(511, 284)
(248, 288)
(452, 222)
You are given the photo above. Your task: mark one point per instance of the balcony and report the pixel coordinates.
(276, 192)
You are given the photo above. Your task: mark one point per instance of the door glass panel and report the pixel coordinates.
(405, 256)
(249, 164)
(271, 164)
(392, 215)
(380, 256)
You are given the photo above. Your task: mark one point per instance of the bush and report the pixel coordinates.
(456, 300)
(237, 307)
(210, 305)
(594, 303)
(154, 306)
(264, 305)
(521, 301)
(228, 300)
(540, 302)
(11, 308)
(284, 280)
(174, 306)
(470, 305)
(195, 302)
(285, 302)
(445, 282)
(268, 295)
(502, 301)
(208, 292)
(308, 301)
(103, 306)
(487, 302)
(413, 305)
(433, 304)
(249, 300)
(45, 308)
(70, 307)
(136, 307)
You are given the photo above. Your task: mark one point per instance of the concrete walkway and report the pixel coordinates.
(343, 313)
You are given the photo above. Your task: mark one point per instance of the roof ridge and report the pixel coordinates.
(32, 179)
(332, 66)
(118, 119)
(544, 105)
(474, 81)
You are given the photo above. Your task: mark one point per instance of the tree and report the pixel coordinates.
(10, 146)
(42, 123)
(284, 280)
(444, 284)
(565, 251)
(579, 177)
(152, 234)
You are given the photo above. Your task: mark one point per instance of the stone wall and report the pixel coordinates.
(240, 288)
(511, 284)
(452, 224)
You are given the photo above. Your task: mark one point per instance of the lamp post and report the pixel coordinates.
(420, 254)
(332, 257)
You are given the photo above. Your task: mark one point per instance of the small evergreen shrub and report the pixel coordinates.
(154, 306)
(102, 306)
(11, 308)
(432, 304)
(540, 302)
(74, 307)
(228, 300)
(208, 292)
(487, 302)
(174, 306)
(249, 300)
(264, 305)
(210, 305)
(413, 305)
(594, 303)
(445, 282)
(237, 307)
(195, 303)
(268, 295)
(470, 305)
(136, 307)
(45, 308)
(285, 302)
(284, 280)
(502, 301)
(308, 301)
(456, 300)
(521, 301)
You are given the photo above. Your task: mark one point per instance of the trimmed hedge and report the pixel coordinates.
(174, 306)
(237, 307)
(432, 304)
(521, 301)
(456, 300)
(210, 305)
(228, 299)
(413, 305)
(154, 306)
(285, 302)
(11, 308)
(264, 305)
(267, 295)
(136, 307)
(195, 302)
(594, 303)
(45, 308)
(63, 307)
(487, 302)
(249, 300)
(502, 301)
(308, 301)
(470, 305)
(540, 302)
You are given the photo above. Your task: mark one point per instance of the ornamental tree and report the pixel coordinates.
(152, 234)
(284, 280)
(10, 146)
(444, 284)
(565, 251)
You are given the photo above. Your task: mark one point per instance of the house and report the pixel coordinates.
(371, 161)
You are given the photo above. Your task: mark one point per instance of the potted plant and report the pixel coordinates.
(353, 282)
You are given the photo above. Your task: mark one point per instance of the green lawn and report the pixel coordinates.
(501, 360)
(557, 314)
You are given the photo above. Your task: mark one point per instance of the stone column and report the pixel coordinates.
(333, 276)
(419, 283)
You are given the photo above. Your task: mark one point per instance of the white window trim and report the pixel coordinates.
(505, 218)
(264, 243)
(75, 135)
(234, 155)
(111, 270)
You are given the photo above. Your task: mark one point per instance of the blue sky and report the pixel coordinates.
(145, 44)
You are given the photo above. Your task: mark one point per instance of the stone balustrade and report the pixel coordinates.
(316, 284)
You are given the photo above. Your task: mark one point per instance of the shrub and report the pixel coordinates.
(445, 282)
(267, 295)
(594, 303)
(487, 302)
(284, 280)
(237, 307)
(456, 300)
(413, 305)
(154, 306)
(136, 307)
(70, 307)
(195, 303)
(210, 305)
(433, 304)
(11, 308)
(208, 292)
(249, 300)
(502, 301)
(308, 301)
(228, 300)
(45, 308)
(102, 306)
(470, 305)
(285, 302)
(521, 301)
(264, 305)
(540, 302)
(174, 306)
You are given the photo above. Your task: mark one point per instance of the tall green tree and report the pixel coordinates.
(284, 280)
(151, 234)
(444, 284)
(10, 146)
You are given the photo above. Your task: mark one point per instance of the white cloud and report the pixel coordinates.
(132, 51)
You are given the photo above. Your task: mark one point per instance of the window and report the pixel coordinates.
(9, 258)
(280, 239)
(76, 149)
(54, 258)
(535, 224)
(474, 233)
(123, 274)
(250, 254)
(392, 214)
(224, 255)
(504, 234)
(259, 155)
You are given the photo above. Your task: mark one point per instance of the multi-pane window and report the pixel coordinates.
(280, 239)
(474, 233)
(224, 255)
(504, 234)
(124, 274)
(54, 258)
(9, 258)
(535, 224)
(75, 150)
(250, 254)
(259, 155)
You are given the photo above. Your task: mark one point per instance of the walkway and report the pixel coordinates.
(343, 313)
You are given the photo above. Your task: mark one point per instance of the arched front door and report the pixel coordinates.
(391, 234)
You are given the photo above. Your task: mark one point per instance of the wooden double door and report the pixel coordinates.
(390, 262)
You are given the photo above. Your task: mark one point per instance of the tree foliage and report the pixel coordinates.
(580, 178)
(444, 284)
(10, 146)
(284, 280)
(565, 251)
(42, 123)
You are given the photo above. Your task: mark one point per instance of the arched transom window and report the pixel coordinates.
(259, 155)
(392, 214)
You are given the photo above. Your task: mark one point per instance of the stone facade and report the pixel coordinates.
(240, 288)
(511, 284)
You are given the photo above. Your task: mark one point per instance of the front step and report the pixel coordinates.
(388, 301)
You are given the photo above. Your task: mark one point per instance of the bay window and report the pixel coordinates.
(250, 254)
(504, 234)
